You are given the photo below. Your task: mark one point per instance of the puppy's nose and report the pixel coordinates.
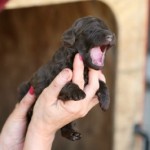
(109, 38)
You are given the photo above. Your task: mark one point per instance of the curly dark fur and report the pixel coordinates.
(85, 34)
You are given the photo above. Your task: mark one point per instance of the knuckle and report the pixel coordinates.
(75, 110)
(25, 102)
(96, 86)
(82, 114)
(56, 83)
(82, 82)
(45, 94)
(78, 112)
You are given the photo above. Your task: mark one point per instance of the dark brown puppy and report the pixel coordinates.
(90, 37)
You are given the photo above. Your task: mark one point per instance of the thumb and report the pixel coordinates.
(53, 90)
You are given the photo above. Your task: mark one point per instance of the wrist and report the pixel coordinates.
(45, 129)
(41, 139)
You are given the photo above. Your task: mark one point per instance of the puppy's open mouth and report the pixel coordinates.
(97, 55)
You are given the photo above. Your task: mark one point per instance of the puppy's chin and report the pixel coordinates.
(89, 63)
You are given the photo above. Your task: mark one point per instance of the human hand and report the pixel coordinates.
(50, 113)
(13, 133)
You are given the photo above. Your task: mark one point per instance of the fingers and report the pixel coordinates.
(25, 104)
(98, 76)
(53, 90)
(91, 89)
(78, 71)
(82, 107)
(93, 84)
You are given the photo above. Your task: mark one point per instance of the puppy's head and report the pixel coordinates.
(91, 38)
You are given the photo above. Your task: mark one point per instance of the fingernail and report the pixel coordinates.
(80, 57)
(31, 90)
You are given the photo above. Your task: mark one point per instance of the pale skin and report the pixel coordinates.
(50, 113)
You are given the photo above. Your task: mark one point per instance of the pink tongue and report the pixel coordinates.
(97, 56)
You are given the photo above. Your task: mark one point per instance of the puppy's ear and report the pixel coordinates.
(68, 37)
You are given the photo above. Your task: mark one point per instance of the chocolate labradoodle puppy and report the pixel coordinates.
(91, 38)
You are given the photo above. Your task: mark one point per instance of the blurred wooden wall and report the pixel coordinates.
(28, 38)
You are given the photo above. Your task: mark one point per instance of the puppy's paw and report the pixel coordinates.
(74, 136)
(103, 96)
(77, 94)
(71, 91)
(104, 101)
(71, 134)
